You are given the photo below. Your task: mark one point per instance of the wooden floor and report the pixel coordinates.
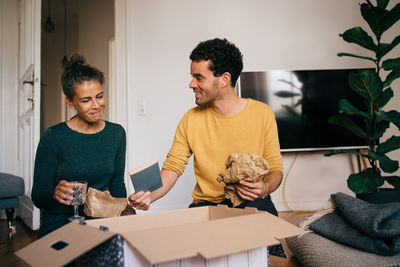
(8, 246)
(291, 261)
(25, 236)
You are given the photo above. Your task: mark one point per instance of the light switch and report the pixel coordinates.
(141, 108)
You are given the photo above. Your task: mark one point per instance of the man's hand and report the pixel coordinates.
(63, 193)
(140, 200)
(252, 190)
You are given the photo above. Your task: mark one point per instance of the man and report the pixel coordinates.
(221, 124)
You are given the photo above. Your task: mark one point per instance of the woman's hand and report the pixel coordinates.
(252, 190)
(140, 200)
(63, 193)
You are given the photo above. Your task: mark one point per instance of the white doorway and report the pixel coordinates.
(30, 86)
(73, 26)
(28, 102)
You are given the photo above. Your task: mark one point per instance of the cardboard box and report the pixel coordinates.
(205, 236)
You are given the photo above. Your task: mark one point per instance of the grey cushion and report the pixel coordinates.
(6, 203)
(11, 185)
(369, 227)
(314, 250)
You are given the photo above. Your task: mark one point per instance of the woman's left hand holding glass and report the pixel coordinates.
(63, 193)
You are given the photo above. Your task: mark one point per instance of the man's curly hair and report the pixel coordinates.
(224, 57)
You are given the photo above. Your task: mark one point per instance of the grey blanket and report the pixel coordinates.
(370, 227)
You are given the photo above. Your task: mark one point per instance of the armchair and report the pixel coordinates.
(11, 187)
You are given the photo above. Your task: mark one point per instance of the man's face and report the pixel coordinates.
(204, 84)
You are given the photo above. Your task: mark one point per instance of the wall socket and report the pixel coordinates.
(141, 108)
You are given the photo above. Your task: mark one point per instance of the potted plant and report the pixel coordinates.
(374, 88)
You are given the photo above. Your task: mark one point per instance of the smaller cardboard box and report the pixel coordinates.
(205, 236)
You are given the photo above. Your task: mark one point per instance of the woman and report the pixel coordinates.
(84, 148)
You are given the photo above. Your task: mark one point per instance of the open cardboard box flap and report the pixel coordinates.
(212, 239)
(164, 236)
(79, 239)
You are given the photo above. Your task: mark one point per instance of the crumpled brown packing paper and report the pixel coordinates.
(128, 211)
(101, 204)
(242, 166)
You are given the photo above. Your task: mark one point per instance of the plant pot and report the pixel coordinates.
(384, 195)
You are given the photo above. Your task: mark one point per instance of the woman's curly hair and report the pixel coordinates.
(224, 57)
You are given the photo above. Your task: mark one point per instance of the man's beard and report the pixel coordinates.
(206, 105)
(213, 96)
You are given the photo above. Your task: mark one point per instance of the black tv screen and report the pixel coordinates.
(303, 101)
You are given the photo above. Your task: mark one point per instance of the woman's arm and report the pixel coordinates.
(44, 173)
(117, 185)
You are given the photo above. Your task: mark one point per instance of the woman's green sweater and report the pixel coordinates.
(64, 154)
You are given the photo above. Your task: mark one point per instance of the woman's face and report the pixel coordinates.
(88, 101)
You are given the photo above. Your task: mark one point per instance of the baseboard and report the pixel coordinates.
(29, 213)
(311, 205)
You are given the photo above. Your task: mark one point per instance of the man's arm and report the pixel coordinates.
(141, 200)
(251, 191)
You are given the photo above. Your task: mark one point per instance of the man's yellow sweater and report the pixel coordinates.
(212, 137)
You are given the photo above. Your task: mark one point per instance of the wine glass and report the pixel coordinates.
(79, 198)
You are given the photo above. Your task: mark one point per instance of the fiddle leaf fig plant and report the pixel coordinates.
(376, 93)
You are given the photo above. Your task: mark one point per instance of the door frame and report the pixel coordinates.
(9, 87)
(119, 90)
(9, 161)
(29, 58)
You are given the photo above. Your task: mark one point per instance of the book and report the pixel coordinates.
(146, 177)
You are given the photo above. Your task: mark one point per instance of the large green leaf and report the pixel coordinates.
(372, 82)
(385, 98)
(347, 108)
(380, 128)
(367, 84)
(358, 86)
(383, 49)
(391, 144)
(393, 180)
(358, 36)
(391, 64)
(352, 55)
(366, 181)
(375, 17)
(387, 165)
(348, 124)
(392, 18)
(391, 116)
(393, 75)
(385, 116)
(369, 130)
(382, 3)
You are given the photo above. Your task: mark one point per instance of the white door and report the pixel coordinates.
(29, 101)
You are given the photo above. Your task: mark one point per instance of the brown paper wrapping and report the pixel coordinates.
(242, 166)
(128, 211)
(102, 205)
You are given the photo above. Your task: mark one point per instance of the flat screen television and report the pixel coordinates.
(303, 101)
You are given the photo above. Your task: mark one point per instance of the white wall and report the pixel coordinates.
(96, 28)
(286, 34)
